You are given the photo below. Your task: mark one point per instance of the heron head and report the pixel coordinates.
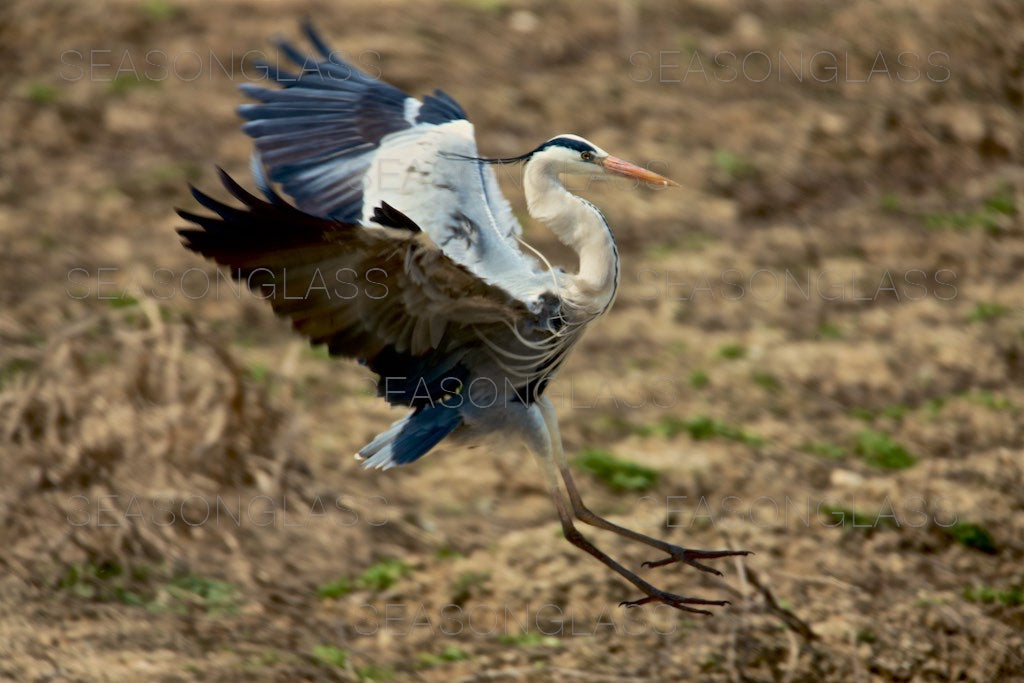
(574, 155)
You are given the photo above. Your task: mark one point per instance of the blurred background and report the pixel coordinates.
(817, 354)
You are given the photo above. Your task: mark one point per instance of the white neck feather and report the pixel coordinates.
(580, 226)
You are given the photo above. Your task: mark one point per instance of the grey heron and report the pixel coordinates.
(465, 324)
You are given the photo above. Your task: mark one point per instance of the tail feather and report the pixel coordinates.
(411, 437)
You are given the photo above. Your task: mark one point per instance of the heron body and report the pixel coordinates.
(468, 324)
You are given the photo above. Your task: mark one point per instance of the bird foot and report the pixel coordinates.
(677, 601)
(691, 557)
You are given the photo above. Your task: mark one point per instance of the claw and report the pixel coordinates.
(677, 601)
(690, 557)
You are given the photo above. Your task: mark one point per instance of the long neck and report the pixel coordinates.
(579, 225)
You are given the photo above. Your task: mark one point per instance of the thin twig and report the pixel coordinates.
(791, 620)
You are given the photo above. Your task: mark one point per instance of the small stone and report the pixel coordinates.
(523, 21)
(845, 478)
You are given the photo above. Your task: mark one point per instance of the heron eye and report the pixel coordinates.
(586, 156)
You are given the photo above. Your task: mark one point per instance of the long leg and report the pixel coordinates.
(541, 446)
(585, 515)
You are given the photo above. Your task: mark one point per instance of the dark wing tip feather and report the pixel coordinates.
(206, 200)
(239, 192)
(273, 73)
(292, 52)
(390, 217)
(205, 221)
(225, 212)
(256, 210)
(314, 37)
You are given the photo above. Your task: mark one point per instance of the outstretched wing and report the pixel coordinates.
(383, 294)
(341, 143)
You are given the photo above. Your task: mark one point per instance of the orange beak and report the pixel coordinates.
(624, 168)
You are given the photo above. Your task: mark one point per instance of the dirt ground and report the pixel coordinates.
(817, 354)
